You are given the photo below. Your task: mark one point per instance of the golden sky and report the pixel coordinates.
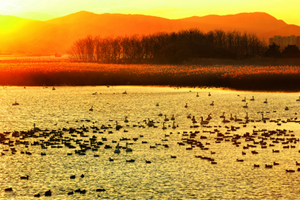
(287, 10)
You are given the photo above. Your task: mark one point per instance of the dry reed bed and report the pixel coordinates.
(61, 72)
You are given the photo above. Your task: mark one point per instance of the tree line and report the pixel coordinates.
(171, 48)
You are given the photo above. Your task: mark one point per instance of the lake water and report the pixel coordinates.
(188, 161)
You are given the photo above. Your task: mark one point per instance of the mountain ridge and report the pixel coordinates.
(58, 34)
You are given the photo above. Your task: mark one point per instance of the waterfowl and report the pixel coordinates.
(268, 166)
(245, 106)
(202, 122)
(197, 95)
(266, 101)
(186, 105)
(126, 120)
(172, 118)
(25, 177)
(209, 94)
(212, 103)
(286, 108)
(208, 117)
(117, 150)
(91, 109)
(127, 148)
(37, 195)
(124, 92)
(236, 119)
(118, 127)
(223, 115)
(264, 118)
(290, 170)
(252, 99)
(15, 104)
(225, 121)
(298, 99)
(244, 100)
(173, 126)
(246, 117)
(164, 127)
(48, 193)
(166, 119)
(275, 163)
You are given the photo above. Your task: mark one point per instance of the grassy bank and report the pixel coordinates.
(30, 72)
(261, 61)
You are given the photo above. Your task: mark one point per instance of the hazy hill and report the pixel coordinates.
(57, 35)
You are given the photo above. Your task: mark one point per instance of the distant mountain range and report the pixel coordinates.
(18, 35)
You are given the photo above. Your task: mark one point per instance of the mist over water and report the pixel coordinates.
(188, 176)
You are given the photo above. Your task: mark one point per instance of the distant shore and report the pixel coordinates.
(255, 74)
(262, 61)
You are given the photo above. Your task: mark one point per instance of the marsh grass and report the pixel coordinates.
(35, 72)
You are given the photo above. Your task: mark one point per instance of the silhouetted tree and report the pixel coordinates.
(291, 51)
(273, 51)
(172, 48)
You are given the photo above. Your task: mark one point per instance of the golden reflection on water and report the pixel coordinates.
(185, 177)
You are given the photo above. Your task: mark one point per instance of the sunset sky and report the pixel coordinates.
(287, 10)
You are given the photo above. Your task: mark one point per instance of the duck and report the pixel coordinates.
(266, 101)
(124, 92)
(186, 105)
(252, 99)
(244, 100)
(212, 103)
(209, 94)
(91, 109)
(197, 95)
(245, 106)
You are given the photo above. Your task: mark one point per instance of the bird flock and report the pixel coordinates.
(204, 138)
